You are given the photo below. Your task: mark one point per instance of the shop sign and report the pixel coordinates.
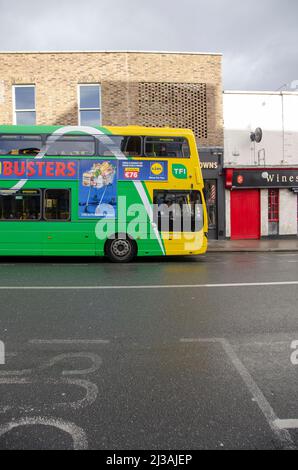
(265, 179)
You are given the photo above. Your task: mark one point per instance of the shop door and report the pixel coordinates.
(245, 214)
(211, 203)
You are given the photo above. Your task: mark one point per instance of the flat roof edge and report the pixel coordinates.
(265, 92)
(112, 52)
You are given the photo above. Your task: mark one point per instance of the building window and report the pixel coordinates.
(273, 211)
(24, 105)
(89, 105)
(211, 203)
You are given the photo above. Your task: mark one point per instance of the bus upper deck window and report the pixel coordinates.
(20, 144)
(168, 147)
(70, 145)
(132, 146)
(115, 145)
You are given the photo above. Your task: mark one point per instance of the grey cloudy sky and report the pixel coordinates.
(258, 38)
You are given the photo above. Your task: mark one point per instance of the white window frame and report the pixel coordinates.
(88, 109)
(15, 111)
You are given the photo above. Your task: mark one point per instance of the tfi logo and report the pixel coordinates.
(179, 171)
(2, 353)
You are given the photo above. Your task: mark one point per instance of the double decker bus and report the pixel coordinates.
(118, 192)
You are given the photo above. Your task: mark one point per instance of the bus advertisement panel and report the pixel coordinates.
(143, 170)
(98, 189)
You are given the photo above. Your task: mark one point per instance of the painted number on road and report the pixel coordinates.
(294, 355)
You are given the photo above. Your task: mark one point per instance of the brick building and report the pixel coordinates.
(122, 88)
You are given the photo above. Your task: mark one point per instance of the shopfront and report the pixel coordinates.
(261, 203)
(212, 169)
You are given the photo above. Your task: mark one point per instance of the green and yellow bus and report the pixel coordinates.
(100, 191)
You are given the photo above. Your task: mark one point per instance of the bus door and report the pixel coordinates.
(63, 235)
(20, 215)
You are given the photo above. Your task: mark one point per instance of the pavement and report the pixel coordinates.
(277, 245)
(159, 354)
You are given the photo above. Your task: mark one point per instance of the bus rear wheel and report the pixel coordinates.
(121, 250)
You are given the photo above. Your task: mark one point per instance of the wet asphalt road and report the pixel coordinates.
(136, 367)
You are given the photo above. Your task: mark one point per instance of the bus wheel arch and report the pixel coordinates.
(121, 248)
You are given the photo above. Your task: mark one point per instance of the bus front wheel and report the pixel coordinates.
(121, 249)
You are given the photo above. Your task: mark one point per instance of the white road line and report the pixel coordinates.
(69, 264)
(77, 434)
(265, 343)
(69, 341)
(288, 254)
(280, 432)
(94, 358)
(163, 286)
(286, 423)
(90, 388)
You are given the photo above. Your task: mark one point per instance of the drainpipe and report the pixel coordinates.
(283, 128)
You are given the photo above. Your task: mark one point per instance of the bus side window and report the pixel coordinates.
(57, 204)
(20, 205)
(70, 145)
(20, 144)
(178, 211)
(167, 147)
(132, 146)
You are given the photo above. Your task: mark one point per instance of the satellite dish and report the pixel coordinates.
(257, 135)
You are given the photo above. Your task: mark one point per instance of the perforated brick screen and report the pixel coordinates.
(174, 105)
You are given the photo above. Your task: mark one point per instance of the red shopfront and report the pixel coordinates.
(245, 214)
(245, 187)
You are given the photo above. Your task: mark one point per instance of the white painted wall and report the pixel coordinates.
(287, 212)
(264, 213)
(290, 102)
(276, 114)
(228, 213)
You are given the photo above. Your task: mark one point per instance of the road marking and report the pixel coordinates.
(70, 264)
(164, 286)
(94, 358)
(280, 432)
(69, 341)
(78, 435)
(2, 353)
(288, 254)
(286, 423)
(264, 343)
(91, 393)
